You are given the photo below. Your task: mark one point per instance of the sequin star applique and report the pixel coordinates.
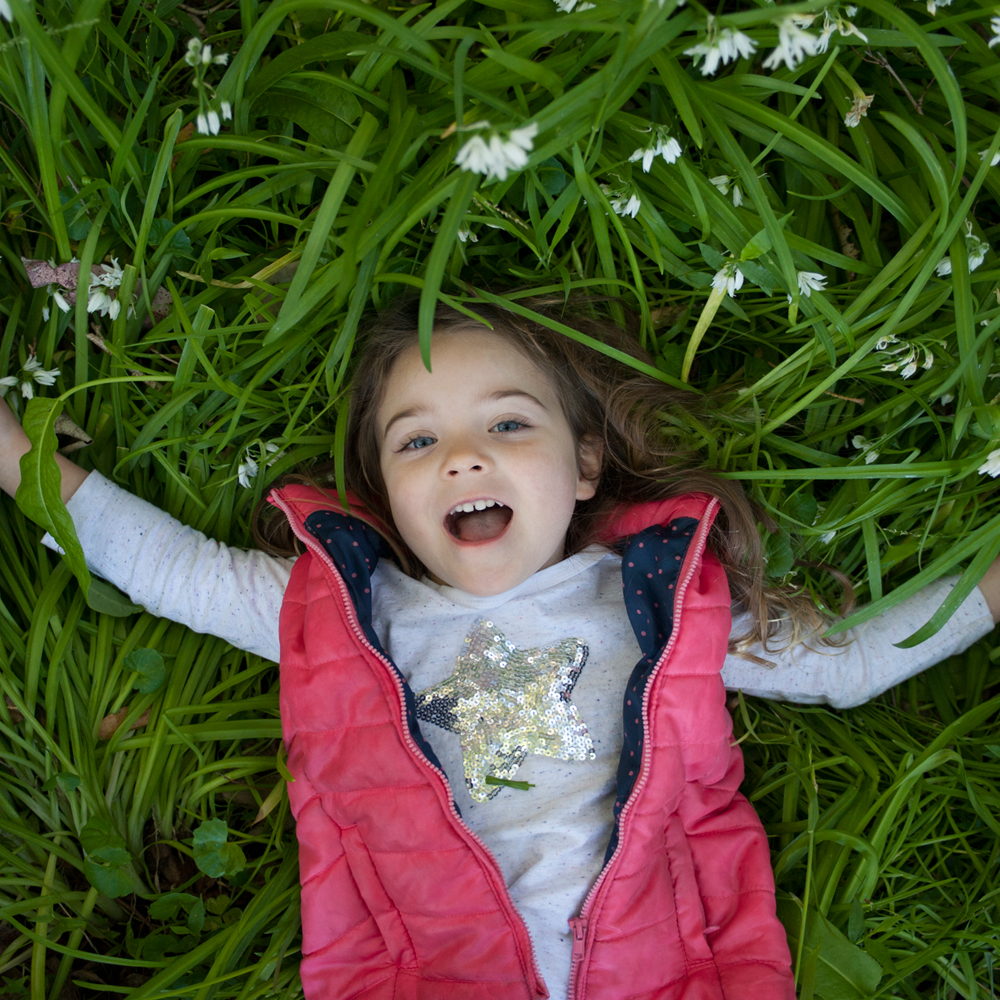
(506, 703)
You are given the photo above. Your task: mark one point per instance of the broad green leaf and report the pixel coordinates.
(109, 600)
(213, 854)
(99, 833)
(39, 495)
(107, 871)
(148, 664)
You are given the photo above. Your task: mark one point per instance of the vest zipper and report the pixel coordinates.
(581, 925)
(499, 885)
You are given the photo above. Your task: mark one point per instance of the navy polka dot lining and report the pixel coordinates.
(651, 566)
(355, 549)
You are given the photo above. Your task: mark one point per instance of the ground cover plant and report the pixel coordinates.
(199, 204)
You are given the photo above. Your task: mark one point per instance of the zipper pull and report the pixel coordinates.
(578, 925)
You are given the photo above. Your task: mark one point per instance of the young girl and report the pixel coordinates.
(494, 799)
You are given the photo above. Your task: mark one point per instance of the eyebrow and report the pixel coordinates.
(488, 398)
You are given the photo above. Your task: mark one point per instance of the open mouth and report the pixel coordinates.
(479, 525)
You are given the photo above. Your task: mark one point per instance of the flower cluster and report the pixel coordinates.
(99, 298)
(497, 156)
(250, 466)
(209, 119)
(721, 47)
(725, 184)
(624, 199)
(975, 248)
(32, 372)
(660, 144)
(794, 43)
(906, 365)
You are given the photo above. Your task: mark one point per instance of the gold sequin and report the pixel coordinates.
(506, 702)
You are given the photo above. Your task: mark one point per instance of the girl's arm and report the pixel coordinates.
(14, 443)
(170, 569)
(867, 665)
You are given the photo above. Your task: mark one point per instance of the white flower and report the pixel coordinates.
(221, 59)
(724, 183)
(827, 537)
(58, 298)
(729, 278)
(31, 373)
(111, 274)
(193, 55)
(884, 342)
(991, 467)
(977, 251)
(247, 470)
(909, 369)
(5, 12)
(227, 110)
(208, 123)
(850, 10)
(100, 301)
(975, 248)
(566, 6)
(983, 152)
(809, 280)
(498, 156)
(661, 144)
(868, 448)
(928, 360)
(466, 235)
(946, 399)
(859, 110)
(623, 201)
(34, 368)
(794, 44)
(722, 49)
(995, 28)
(932, 5)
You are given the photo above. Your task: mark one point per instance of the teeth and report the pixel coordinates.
(466, 508)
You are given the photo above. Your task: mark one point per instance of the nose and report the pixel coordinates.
(465, 457)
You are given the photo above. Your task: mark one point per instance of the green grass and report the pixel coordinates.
(339, 159)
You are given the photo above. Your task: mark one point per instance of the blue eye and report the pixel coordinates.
(518, 424)
(415, 443)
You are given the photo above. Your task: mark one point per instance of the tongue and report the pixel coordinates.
(480, 525)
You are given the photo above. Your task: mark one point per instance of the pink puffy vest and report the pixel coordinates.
(400, 900)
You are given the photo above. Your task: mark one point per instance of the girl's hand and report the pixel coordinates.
(14, 443)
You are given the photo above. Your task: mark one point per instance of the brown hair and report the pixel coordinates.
(601, 396)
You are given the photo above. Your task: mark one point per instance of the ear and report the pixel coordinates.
(590, 458)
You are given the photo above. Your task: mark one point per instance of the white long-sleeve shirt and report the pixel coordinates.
(176, 572)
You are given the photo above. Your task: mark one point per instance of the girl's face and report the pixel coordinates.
(484, 425)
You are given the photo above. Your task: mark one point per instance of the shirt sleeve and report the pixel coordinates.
(869, 663)
(176, 572)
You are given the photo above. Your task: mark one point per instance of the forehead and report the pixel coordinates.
(464, 361)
